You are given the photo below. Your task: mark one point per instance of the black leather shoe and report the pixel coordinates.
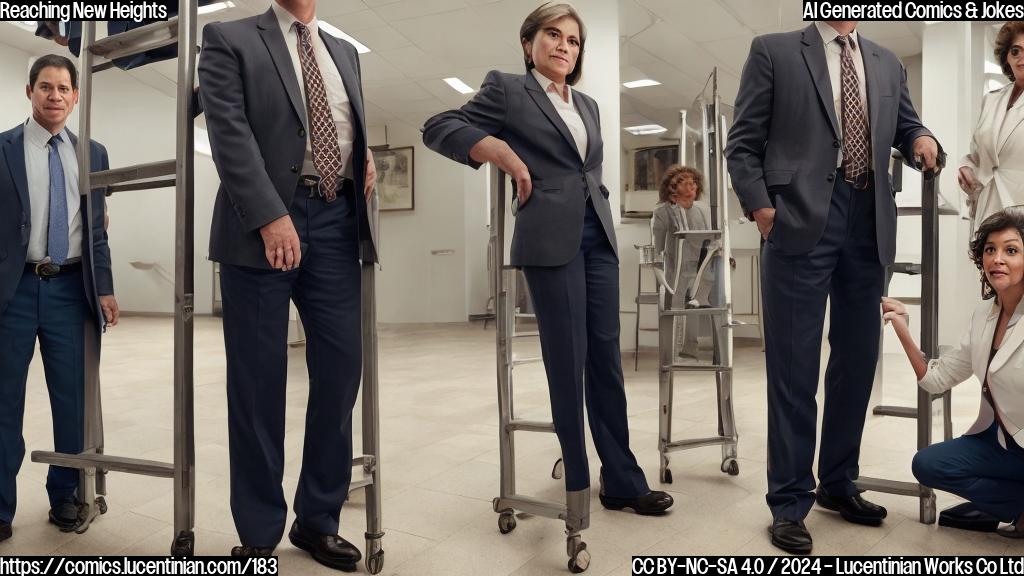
(5, 531)
(653, 503)
(791, 536)
(966, 516)
(852, 508)
(66, 515)
(330, 550)
(252, 551)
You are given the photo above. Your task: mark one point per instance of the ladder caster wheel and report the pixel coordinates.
(375, 562)
(666, 476)
(506, 522)
(731, 467)
(558, 469)
(580, 560)
(184, 545)
(101, 503)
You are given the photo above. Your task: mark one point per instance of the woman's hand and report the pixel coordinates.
(968, 181)
(491, 149)
(895, 313)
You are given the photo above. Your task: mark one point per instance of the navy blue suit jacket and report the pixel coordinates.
(16, 224)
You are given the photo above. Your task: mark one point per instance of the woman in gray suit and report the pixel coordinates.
(547, 137)
(679, 209)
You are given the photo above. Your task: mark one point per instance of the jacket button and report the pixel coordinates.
(835, 143)
(294, 168)
(302, 132)
(831, 177)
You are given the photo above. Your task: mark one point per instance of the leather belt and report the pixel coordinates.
(46, 270)
(312, 181)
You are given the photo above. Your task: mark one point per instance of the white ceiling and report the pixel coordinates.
(416, 43)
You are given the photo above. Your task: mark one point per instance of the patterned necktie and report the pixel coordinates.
(856, 143)
(323, 133)
(57, 231)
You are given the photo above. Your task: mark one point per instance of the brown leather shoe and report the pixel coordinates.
(330, 550)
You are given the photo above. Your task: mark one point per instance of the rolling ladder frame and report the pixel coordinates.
(93, 463)
(714, 130)
(928, 269)
(576, 510)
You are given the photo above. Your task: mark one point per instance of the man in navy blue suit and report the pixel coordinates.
(55, 281)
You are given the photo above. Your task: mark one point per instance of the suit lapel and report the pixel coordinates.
(593, 133)
(14, 153)
(348, 76)
(270, 31)
(981, 350)
(1012, 340)
(814, 56)
(542, 100)
(1012, 119)
(869, 55)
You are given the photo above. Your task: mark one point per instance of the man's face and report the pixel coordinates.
(52, 98)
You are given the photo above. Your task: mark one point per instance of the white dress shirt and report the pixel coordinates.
(833, 57)
(37, 169)
(566, 108)
(337, 96)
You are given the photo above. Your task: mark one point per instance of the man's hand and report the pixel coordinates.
(765, 219)
(108, 304)
(926, 153)
(281, 242)
(371, 176)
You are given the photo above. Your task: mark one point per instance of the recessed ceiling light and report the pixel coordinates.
(459, 86)
(645, 129)
(216, 6)
(333, 31)
(641, 83)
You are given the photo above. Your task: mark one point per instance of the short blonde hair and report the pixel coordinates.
(545, 14)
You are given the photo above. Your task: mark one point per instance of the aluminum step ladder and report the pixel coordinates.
(575, 512)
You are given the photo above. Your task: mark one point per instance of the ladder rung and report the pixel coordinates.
(135, 173)
(697, 368)
(944, 210)
(898, 411)
(530, 426)
(137, 41)
(106, 462)
(912, 268)
(695, 311)
(525, 315)
(530, 334)
(697, 233)
(889, 486)
(909, 300)
(147, 185)
(698, 443)
(517, 361)
(647, 298)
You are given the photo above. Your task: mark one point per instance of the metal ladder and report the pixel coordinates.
(96, 56)
(928, 269)
(576, 510)
(714, 131)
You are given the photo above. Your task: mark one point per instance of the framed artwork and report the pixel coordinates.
(395, 178)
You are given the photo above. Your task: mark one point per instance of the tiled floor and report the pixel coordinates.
(440, 462)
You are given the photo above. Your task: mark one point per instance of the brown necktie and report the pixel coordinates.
(322, 131)
(856, 140)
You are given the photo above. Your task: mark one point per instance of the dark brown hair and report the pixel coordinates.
(545, 14)
(1004, 41)
(674, 171)
(1007, 218)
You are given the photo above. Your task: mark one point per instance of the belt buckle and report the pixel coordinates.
(46, 268)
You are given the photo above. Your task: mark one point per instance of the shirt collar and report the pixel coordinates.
(288, 20)
(548, 85)
(39, 136)
(829, 34)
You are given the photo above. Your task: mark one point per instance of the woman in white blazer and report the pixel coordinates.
(992, 174)
(986, 464)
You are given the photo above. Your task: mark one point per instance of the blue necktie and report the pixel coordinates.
(57, 233)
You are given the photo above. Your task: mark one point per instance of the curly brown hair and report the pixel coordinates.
(1004, 41)
(675, 171)
(1007, 218)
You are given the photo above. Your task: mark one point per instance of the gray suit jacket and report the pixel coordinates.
(16, 224)
(784, 140)
(258, 131)
(514, 108)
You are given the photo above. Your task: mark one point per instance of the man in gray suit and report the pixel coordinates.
(817, 113)
(284, 108)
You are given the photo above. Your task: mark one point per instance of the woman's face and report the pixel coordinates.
(1015, 58)
(1003, 260)
(684, 190)
(555, 48)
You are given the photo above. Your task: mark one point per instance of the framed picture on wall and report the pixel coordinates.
(395, 178)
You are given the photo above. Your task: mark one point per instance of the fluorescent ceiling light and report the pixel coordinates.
(459, 86)
(201, 142)
(333, 31)
(645, 129)
(641, 83)
(215, 7)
